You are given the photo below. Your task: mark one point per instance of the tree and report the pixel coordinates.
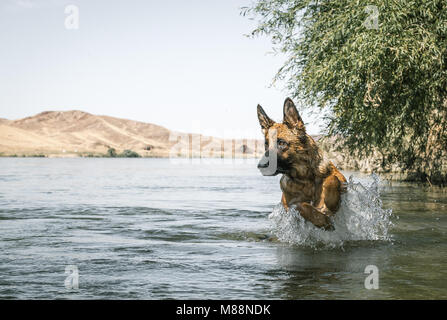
(111, 152)
(129, 154)
(379, 67)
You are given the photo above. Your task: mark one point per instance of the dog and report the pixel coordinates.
(310, 183)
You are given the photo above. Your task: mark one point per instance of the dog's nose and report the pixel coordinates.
(262, 165)
(264, 162)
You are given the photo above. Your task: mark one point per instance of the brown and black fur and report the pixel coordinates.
(309, 182)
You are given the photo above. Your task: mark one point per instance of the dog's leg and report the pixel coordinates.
(330, 195)
(284, 202)
(327, 205)
(312, 214)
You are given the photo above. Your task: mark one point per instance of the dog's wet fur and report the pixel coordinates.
(309, 183)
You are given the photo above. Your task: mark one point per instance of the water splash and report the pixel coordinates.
(360, 217)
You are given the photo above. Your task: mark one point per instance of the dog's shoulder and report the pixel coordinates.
(325, 168)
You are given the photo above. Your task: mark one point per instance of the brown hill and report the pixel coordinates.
(78, 133)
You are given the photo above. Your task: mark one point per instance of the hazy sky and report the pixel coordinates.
(185, 65)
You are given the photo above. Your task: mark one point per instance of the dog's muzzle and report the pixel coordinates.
(268, 164)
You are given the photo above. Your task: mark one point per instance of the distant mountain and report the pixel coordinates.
(78, 133)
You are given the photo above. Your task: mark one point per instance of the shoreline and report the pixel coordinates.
(386, 176)
(68, 156)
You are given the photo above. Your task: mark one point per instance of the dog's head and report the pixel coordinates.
(286, 143)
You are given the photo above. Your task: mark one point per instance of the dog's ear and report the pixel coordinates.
(291, 116)
(264, 119)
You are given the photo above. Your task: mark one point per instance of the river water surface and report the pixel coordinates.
(154, 229)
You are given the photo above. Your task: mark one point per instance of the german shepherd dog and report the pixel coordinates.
(311, 184)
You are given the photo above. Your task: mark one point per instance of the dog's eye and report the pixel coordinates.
(282, 144)
(303, 139)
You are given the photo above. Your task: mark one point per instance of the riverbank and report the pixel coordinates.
(78, 134)
(344, 160)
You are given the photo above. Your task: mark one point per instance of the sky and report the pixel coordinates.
(184, 65)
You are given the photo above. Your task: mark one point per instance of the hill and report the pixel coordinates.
(78, 133)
